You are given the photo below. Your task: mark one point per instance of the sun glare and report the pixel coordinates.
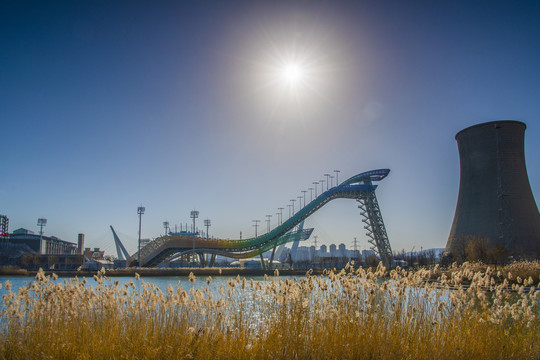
(292, 74)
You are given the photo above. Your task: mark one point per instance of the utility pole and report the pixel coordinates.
(355, 245)
(355, 248)
(140, 211)
(256, 225)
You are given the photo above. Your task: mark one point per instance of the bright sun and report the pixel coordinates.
(292, 74)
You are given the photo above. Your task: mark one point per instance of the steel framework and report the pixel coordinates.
(374, 224)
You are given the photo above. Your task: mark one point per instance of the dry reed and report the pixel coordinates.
(350, 314)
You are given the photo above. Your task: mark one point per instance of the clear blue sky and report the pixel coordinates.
(105, 105)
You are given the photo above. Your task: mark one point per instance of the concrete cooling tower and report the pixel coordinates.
(495, 199)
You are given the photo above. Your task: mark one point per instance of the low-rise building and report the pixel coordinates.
(41, 244)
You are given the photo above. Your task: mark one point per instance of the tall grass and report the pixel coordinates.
(351, 314)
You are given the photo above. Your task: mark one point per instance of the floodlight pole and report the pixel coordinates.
(194, 214)
(166, 226)
(140, 211)
(207, 224)
(41, 223)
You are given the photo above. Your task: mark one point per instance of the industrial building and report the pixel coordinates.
(495, 200)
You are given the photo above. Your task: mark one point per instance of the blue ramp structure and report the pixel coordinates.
(359, 187)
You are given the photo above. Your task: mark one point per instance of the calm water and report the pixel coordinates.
(161, 281)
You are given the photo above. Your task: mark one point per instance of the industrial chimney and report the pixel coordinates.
(80, 244)
(495, 199)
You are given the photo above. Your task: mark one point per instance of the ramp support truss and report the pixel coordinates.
(374, 225)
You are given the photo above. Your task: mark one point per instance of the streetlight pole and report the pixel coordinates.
(256, 225)
(280, 218)
(304, 192)
(327, 182)
(293, 200)
(311, 193)
(337, 181)
(322, 185)
(289, 206)
(300, 203)
(140, 211)
(268, 222)
(315, 183)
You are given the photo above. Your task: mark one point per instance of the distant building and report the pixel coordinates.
(312, 253)
(95, 254)
(367, 253)
(333, 250)
(342, 250)
(44, 245)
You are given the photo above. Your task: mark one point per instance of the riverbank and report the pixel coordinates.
(229, 272)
